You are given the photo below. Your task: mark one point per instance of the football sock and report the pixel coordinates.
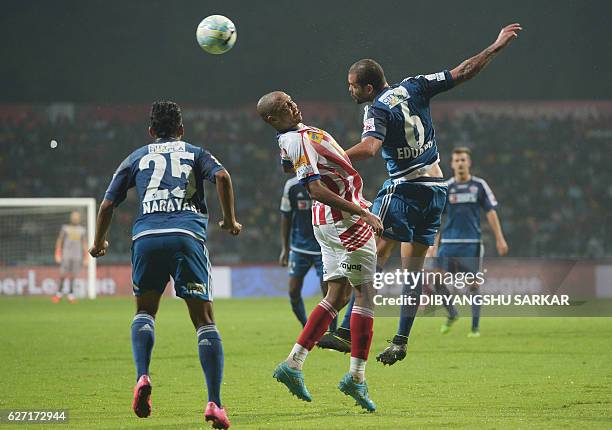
(333, 325)
(143, 338)
(210, 351)
(60, 288)
(475, 309)
(297, 356)
(345, 327)
(357, 369)
(346, 322)
(297, 305)
(408, 313)
(317, 323)
(362, 322)
(442, 290)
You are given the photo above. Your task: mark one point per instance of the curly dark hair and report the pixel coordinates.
(166, 119)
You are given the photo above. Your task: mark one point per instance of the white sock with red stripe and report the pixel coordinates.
(357, 369)
(297, 357)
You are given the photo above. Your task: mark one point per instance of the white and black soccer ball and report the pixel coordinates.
(216, 34)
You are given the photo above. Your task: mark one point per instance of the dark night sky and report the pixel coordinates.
(137, 51)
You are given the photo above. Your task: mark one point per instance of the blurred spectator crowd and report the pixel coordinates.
(549, 167)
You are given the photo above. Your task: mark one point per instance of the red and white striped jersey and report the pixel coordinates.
(314, 154)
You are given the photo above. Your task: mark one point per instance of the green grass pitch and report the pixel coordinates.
(522, 373)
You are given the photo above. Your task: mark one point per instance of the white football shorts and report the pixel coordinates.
(348, 249)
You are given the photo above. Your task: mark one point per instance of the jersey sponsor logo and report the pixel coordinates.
(301, 162)
(463, 198)
(435, 77)
(169, 205)
(394, 96)
(303, 168)
(408, 152)
(166, 148)
(351, 267)
(304, 205)
(194, 287)
(368, 125)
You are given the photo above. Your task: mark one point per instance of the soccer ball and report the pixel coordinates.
(216, 34)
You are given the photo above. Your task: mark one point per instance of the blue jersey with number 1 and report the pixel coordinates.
(168, 176)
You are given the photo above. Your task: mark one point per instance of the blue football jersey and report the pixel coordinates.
(462, 213)
(168, 176)
(400, 117)
(296, 203)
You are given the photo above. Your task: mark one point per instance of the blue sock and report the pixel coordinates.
(143, 338)
(346, 322)
(407, 314)
(475, 309)
(210, 350)
(333, 324)
(442, 290)
(297, 305)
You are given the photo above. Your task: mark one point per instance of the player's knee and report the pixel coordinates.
(295, 289)
(335, 298)
(294, 294)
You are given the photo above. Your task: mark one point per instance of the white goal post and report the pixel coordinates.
(20, 216)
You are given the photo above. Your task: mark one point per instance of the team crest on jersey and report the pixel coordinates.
(368, 125)
(315, 137)
(473, 189)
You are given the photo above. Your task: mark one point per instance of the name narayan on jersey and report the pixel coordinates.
(168, 205)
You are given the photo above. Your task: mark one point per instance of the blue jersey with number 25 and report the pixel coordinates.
(168, 176)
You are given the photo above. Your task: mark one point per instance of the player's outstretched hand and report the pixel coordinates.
(283, 259)
(502, 247)
(507, 35)
(373, 221)
(233, 227)
(98, 251)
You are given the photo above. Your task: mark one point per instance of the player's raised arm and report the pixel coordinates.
(472, 66)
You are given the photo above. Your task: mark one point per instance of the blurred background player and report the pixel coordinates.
(460, 241)
(169, 236)
(343, 227)
(70, 254)
(411, 201)
(300, 249)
